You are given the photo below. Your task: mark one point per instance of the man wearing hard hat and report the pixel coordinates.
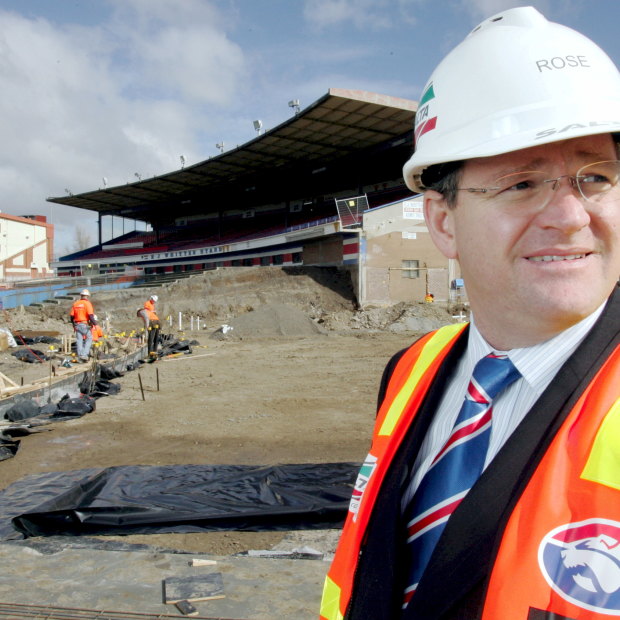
(153, 325)
(83, 319)
(492, 486)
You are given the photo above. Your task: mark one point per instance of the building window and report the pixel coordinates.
(278, 259)
(247, 262)
(297, 257)
(265, 261)
(411, 269)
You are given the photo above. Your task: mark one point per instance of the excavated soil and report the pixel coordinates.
(293, 381)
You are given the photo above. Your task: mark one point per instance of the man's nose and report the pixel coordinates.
(566, 209)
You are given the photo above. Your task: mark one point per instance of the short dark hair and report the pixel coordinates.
(445, 179)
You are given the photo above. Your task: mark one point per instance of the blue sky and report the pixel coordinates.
(115, 88)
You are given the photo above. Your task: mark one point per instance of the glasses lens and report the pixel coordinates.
(599, 181)
(521, 189)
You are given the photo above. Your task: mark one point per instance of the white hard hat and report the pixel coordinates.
(85, 292)
(154, 297)
(516, 81)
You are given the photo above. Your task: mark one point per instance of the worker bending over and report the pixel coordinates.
(153, 325)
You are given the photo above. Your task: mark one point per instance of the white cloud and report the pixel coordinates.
(356, 13)
(179, 49)
(80, 103)
(361, 14)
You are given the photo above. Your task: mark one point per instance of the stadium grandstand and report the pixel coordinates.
(294, 195)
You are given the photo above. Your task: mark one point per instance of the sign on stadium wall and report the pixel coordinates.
(183, 253)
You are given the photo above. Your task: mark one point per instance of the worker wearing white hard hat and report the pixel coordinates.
(504, 503)
(83, 319)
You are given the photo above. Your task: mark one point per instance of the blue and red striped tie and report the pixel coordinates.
(456, 467)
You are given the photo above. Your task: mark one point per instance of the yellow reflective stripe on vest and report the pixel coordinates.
(602, 466)
(430, 351)
(330, 604)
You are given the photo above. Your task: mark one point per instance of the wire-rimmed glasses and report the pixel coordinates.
(597, 183)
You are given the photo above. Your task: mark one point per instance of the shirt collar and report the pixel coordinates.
(537, 364)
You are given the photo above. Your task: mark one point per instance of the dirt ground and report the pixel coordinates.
(294, 381)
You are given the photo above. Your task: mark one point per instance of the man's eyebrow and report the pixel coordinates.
(529, 166)
(593, 155)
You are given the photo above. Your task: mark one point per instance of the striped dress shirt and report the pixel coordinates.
(537, 364)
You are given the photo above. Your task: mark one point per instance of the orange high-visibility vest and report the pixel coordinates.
(560, 550)
(80, 310)
(408, 385)
(97, 332)
(149, 306)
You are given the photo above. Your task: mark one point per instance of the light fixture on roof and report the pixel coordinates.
(182, 158)
(258, 125)
(294, 103)
(220, 145)
(135, 174)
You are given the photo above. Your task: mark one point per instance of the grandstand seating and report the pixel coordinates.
(185, 238)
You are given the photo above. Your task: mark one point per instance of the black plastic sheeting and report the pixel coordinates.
(170, 345)
(178, 498)
(95, 384)
(66, 408)
(8, 446)
(32, 356)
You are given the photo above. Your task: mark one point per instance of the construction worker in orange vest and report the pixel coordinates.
(83, 319)
(154, 325)
(97, 331)
(492, 487)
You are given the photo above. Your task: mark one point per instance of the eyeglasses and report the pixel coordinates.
(532, 190)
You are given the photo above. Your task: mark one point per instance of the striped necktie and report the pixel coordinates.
(456, 467)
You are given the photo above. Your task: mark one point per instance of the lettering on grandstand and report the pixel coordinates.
(218, 249)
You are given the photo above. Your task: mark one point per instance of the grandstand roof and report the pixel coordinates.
(340, 123)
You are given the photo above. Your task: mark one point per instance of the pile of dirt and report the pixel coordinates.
(270, 321)
(37, 319)
(214, 297)
(324, 295)
(398, 318)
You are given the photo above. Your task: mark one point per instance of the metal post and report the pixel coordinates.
(141, 386)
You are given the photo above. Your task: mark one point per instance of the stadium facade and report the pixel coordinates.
(323, 188)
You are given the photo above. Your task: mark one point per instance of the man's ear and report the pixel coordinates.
(440, 223)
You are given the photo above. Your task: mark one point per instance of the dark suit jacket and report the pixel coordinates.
(454, 584)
